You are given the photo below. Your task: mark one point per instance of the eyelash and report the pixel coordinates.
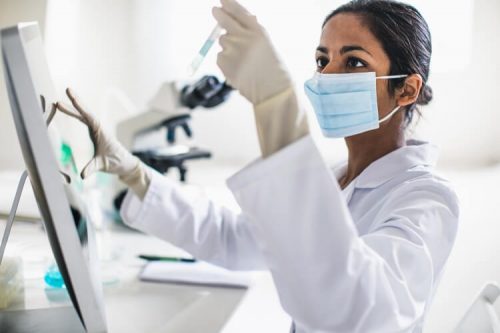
(355, 60)
(350, 61)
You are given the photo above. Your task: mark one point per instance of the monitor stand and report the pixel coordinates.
(12, 214)
(48, 320)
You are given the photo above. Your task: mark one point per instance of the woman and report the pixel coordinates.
(361, 249)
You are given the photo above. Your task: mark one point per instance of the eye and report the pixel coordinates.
(354, 62)
(321, 62)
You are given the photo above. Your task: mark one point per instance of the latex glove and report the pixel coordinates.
(251, 65)
(248, 59)
(109, 155)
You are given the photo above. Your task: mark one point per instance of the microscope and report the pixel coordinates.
(170, 111)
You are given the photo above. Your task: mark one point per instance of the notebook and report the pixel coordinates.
(197, 273)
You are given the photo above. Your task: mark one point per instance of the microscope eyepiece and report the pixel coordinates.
(207, 92)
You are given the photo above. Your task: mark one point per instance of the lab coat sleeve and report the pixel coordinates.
(209, 232)
(329, 279)
(280, 121)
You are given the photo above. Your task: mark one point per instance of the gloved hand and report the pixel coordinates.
(252, 66)
(248, 60)
(109, 155)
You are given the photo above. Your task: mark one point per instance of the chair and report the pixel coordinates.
(481, 317)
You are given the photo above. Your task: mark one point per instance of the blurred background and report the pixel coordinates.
(117, 53)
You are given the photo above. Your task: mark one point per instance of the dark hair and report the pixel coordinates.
(405, 37)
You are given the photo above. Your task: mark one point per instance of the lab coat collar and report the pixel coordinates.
(415, 153)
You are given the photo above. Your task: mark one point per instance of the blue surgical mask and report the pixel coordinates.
(346, 104)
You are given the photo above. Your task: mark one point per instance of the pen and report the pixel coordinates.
(160, 258)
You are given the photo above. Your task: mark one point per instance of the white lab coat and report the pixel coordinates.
(365, 259)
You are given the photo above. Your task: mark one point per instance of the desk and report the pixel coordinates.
(136, 306)
(150, 307)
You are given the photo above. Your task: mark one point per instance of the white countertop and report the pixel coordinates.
(153, 307)
(148, 307)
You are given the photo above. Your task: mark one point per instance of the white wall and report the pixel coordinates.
(463, 117)
(104, 48)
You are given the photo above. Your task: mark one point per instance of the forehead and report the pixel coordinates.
(349, 29)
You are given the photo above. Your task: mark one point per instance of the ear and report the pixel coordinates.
(408, 94)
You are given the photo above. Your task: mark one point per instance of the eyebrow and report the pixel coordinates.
(344, 49)
(322, 49)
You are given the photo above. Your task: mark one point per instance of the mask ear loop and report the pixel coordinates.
(397, 108)
(388, 77)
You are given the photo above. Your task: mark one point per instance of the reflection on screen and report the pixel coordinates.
(74, 191)
(69, 174)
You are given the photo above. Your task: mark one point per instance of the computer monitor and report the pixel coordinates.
(61, 205)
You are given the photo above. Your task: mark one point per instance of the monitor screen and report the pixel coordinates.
(53, 175)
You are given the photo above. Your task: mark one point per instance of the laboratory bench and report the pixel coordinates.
(135, 306)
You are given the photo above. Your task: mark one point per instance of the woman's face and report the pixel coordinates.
(348, 46)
